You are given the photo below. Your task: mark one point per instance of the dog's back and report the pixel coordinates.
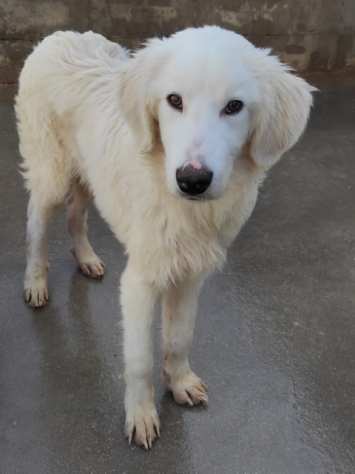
(64, 65)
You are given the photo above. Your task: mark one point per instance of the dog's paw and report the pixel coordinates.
(142, 425)
(36, 292)
(90, 264)
(188, 389)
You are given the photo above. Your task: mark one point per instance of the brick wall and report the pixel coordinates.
(309, 34)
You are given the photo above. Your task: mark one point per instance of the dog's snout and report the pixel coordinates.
(193, 180)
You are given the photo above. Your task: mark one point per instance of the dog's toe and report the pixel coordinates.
(189, 390)
(36, 296)
(143, 427)
(94, 270)
(90, 265)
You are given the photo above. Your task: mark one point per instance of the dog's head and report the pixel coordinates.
(205, 93)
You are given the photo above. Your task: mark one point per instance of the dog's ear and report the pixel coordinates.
(284, 106)
(137, 95)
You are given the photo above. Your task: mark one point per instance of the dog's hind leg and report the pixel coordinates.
(47, 172)
(35, 285)
(89, 263)
(179, 314)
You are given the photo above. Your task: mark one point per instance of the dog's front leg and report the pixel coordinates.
(138, 299)
(179, 314)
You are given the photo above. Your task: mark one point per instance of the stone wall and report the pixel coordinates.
(312, 35)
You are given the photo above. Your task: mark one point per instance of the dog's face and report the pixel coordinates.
(205, 93)
(204, 111)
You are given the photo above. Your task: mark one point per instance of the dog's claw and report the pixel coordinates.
(143, 427)
(188, 389)
(36, 295)
(91, 265)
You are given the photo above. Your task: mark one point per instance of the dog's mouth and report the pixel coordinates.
(198, 198)
(195, 198)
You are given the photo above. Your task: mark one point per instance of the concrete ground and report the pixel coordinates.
(275, 339)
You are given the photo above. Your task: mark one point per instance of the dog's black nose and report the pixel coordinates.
(192, 180)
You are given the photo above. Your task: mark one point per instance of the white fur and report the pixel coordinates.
(93, 120)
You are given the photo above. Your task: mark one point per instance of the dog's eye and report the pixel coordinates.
(175, 100)
(233, 107)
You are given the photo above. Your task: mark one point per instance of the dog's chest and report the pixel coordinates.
(182, 241)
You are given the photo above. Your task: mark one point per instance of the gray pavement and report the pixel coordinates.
(275, 339)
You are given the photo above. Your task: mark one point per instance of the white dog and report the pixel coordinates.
(173, 144)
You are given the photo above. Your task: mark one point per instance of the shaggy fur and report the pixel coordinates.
(94, 121)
